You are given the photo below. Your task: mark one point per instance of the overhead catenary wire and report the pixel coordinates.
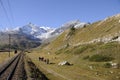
(11, 12)
(5, 11)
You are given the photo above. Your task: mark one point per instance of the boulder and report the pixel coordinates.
(115, 65)
(64, 63)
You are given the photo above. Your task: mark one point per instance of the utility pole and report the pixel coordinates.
(9, 43)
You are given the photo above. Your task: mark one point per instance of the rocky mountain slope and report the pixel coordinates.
(101, 31)
(31, 32)
(17, 41)
(42, 32)
(93, 51)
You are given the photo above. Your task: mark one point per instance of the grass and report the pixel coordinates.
(93, 31)
(56, 72)
(4, 56)
(100, 58)
(68, 48)
(81, 68)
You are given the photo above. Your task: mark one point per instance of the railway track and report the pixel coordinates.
(12, 70)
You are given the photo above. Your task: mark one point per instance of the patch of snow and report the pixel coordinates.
(80, 25)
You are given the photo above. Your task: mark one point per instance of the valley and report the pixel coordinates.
(91, 51)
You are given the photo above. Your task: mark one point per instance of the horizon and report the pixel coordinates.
(54, 13)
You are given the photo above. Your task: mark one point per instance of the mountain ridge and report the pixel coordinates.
(101, 31)
(93, 51)
(43, 32)
(34, 34)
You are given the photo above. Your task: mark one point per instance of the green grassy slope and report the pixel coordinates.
(108, 27)
(83, 68)
(89, 60)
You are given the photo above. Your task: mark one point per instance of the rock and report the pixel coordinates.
(119, 21)
(115, 65)
(117, 77)
(111, 72)
(91, 67)
(64, 63)
(97, 73)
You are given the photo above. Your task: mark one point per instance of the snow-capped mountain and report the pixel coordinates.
(36, 31)
(75, 23)
(30, 35)
(44, 32)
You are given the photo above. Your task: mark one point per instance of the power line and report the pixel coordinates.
(5, 11)
(10, 11)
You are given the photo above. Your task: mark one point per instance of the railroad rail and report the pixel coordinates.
(8, 71)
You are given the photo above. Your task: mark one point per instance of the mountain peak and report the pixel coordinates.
(43, 32)
(70, 23)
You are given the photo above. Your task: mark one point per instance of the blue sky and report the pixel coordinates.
(54, 13)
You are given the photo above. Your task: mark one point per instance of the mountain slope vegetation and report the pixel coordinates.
(92, 50)
(108, 28)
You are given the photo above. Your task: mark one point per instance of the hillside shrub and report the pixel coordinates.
(107, 65)
(72, 28)
(86, 57)
(108, 45)
(100, 58)
(80, 49)
(115, 37)
(67, 51)
(72, 31)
